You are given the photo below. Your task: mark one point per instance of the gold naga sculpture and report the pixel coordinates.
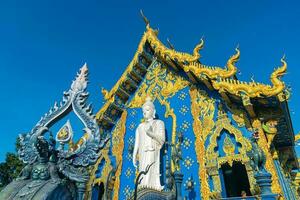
(253, 89)
(214, 72)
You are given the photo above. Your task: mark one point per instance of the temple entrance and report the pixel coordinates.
(235, 179)
(101, 191)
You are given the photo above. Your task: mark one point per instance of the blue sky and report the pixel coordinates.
(44, 43)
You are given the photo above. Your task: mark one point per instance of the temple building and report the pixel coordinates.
(171, 127)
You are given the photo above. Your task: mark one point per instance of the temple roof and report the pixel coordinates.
(223, 80)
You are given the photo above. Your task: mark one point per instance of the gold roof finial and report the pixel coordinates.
(147, 22)
(198, 47)
(105, 93)
(280, 71)
(232, 60)
(170, 44)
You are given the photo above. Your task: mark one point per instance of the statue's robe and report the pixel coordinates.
(148, 150)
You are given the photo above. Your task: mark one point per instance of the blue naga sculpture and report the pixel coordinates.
(256, 155)
(258, 160)
(58, 171)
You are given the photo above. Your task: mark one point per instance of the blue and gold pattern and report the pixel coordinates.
(188, 162)
(132, 126)
(128, 172)
(127, 192)
(184, 109)
(186, 143)
(185, 126)
(213, 130)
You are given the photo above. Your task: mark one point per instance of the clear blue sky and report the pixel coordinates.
(44, 43)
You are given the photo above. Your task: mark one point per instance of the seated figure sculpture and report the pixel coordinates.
(149, 139)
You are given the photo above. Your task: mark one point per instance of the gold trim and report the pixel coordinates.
(117, 151)
(223, 122)
(262, 142)
(199, 143)
(160, 49)
(91, 182)
(170, 112)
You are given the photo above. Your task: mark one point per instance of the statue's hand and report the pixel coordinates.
(148, 128)
(149, 131)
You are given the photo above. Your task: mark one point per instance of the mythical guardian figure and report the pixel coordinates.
(256, 155)
(62, 172)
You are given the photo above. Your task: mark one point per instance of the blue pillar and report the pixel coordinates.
(178, 181)
(264, 181)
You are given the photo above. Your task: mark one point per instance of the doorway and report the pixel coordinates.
(235, 179)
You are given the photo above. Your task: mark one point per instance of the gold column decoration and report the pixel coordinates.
(254, 189)
(199, 143)
(91, 182)
(105, 171)
(262, 142)
(117, 142)
(170, 112)
(117, 150)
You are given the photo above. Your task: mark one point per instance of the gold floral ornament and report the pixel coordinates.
(65, 133)
(158, 81)
(228, 146)
(214, 72)
(254, 89)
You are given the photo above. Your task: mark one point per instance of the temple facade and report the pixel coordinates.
(208, 135)
(225, 138)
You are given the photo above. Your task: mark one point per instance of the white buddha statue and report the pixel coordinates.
(149, 139)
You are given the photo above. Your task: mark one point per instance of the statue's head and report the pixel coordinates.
(148, 109)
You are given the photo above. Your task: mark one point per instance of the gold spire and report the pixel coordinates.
(147, 22)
